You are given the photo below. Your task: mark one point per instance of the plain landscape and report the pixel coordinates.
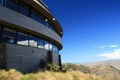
(105, 70)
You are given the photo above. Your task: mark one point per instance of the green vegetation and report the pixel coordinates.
(52, 67)
(74, 67)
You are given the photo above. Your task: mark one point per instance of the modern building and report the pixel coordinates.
(30, 36)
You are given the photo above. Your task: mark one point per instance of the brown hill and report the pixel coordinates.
(114, 63)
(106, 72)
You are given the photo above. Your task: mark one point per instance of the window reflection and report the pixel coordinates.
(24, 9)
(33, 41)
(9, 35)
(27, 10)
(0, 2)
(50, 47)
(12, 4)
(0, 31)
(40, 20)
(46, 45)
(40, 43)
(55, 49)
(0, 28)
(22, 38)
(34, 14)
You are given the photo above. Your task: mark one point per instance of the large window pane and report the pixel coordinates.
(0, 2)
(50, 47)
(12, 4)
(50, 27)
(0, 31)
(40, 43)
(34, 14)
(46, 45)
(33, 41)
(0, 28)
(55, 49)
(41, 20)
(24, 8)
(9, 35)
(22, 38)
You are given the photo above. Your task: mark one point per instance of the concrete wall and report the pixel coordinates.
(24, 22)
(27, 59)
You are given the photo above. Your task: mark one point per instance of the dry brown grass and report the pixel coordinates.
(46, 75)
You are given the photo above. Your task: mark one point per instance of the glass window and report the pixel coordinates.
(24, 8)
(50, 47)
(9, 35)
(40, 43)
(34, 14)
(22, 38)
(0, 28)
(46, 45)
(0, 2)
(50, 27)
(40, 20)
(12, 4)
(33, 41)
(0, 31)
(46, 24)
(55, 49)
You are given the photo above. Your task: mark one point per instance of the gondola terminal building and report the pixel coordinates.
(30, 36)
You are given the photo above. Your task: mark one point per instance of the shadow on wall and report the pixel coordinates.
(42, 64)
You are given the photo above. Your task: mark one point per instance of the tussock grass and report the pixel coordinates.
(47, 75)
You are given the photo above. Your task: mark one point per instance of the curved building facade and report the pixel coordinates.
(30, 36)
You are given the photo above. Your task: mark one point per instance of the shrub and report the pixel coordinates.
(52, 67)
(75, 67)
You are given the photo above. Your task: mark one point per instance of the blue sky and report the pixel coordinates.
(91, 29)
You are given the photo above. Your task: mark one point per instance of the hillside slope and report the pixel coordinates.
(107, 72)
(104, 71)
(114, 63)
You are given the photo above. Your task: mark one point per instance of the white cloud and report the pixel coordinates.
(100, 46)
(105, 46)
(115, 54)
(113, 46)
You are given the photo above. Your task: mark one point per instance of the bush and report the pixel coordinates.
(52, 67)
(75, 67)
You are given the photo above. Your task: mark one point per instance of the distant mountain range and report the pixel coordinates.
(114, 63)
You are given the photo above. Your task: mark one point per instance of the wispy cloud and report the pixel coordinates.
(113, 46)
(105, 46)
(115, 54)
(100, 46)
